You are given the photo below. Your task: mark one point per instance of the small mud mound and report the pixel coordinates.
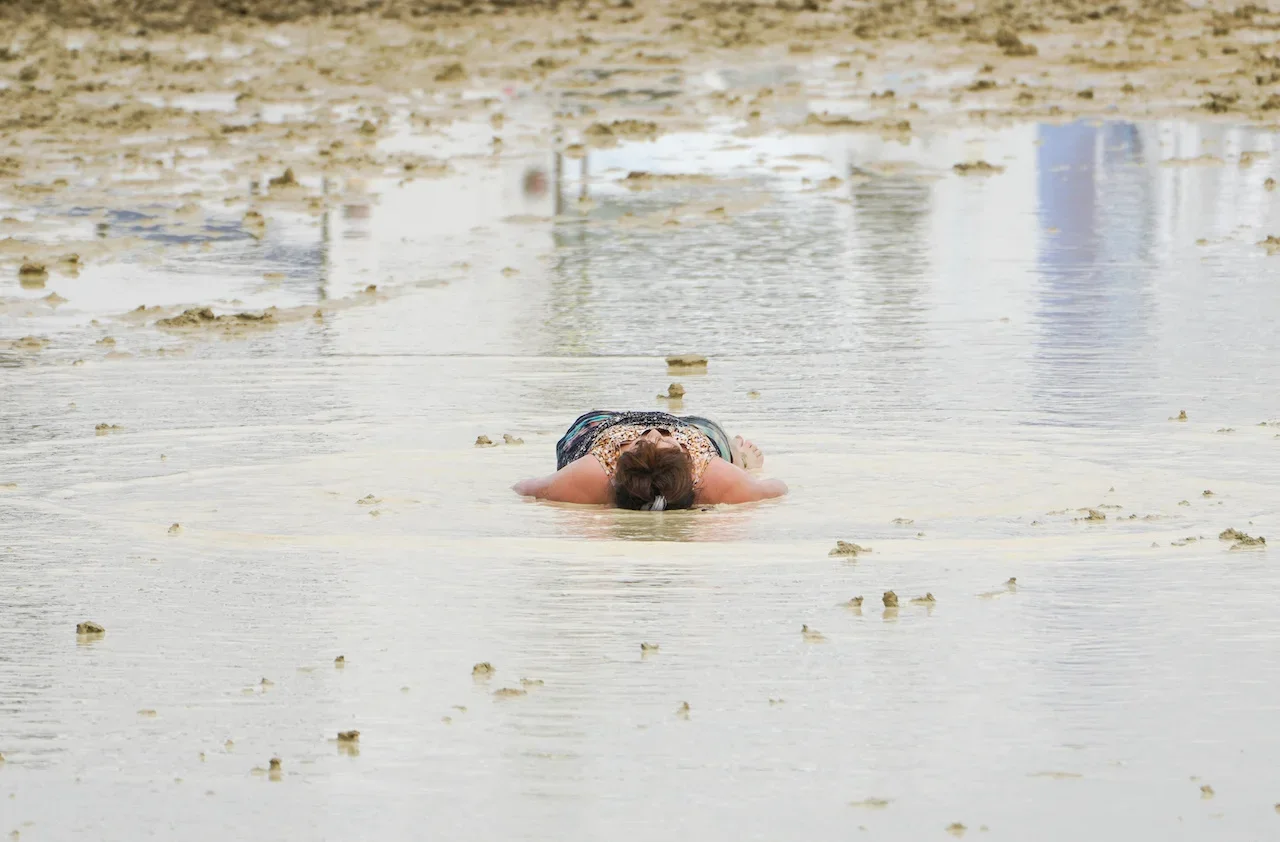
(509, 693)
(33, 274)
(454, 72)
(812, 635)
(204, 317)
(675, 392)
(641, 180)
(1011, 45)
(977, 168)
(284, 180)
(608, 134)
(849, 549)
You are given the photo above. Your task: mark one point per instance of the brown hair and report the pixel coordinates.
(646, 471)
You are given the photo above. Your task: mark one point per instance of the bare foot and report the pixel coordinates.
(746, 454)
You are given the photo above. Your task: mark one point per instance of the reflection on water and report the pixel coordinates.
(948, 370)
(1096, 191)
(712, 524)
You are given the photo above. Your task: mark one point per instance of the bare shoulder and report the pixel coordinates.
(726, 483)
(581, 481)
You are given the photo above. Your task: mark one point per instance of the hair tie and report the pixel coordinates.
(659, 504)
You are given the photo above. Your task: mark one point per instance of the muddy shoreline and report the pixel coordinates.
(301, 99)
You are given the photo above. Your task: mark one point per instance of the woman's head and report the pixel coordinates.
(650, 469)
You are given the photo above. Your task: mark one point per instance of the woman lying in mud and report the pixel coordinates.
(652, 461)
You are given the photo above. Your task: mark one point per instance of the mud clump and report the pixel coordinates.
(507, 438)
(484, 669)
(1011, 45)
(685, 361)
(1246, 541)
(70, 264)
(283, 181)
(454, 72)
(848, 549)
(348, 736)
(509, 693)
(977, 168)
(90, 628)
(1217, 102)
(203, 316)
(106, 429)
(835, 121)
(890, 599)
(606, 134)
(956, 829)
(368, 500)
(484, 441)
(641, 180)
(33, 274)
(872, 803)
(812, 635)
(255, 223)
(675, 392)
(1011, 586)
(1206, 792)
(1093, 515)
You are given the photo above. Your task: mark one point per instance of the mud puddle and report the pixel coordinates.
(948, 368)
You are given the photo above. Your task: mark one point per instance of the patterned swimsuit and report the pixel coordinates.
(603, 434)
(610, 444)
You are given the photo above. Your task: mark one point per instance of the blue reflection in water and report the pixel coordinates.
(1097, 209)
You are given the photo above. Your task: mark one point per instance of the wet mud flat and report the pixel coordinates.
(288, 303)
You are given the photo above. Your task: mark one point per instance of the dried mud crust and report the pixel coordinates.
(204, 15)
(1212, 60)
(997, 21)
(65, 111)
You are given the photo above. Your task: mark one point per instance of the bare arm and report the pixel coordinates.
(726, 483)
(581, 481)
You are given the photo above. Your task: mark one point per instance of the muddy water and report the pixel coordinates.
(951, 370)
